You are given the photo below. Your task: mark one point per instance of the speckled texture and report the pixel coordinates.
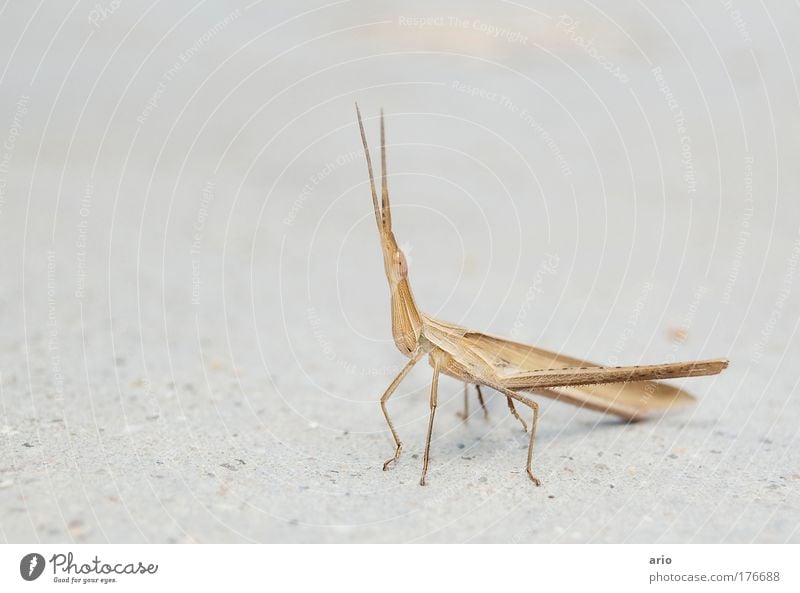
(195, 321)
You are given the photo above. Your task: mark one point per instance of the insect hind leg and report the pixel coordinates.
(533, 406)
(480, 399)
(515, 414)
(465, 414)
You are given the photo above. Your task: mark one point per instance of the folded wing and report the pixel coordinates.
(629, 392)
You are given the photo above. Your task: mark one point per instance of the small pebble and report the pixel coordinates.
(77, 528)
(678, 334)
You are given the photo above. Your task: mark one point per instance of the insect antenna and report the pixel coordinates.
(369, 167)
(386, 208)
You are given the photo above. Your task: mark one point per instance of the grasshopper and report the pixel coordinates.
(508, 367)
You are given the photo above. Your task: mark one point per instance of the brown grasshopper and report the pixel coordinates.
(506, 366)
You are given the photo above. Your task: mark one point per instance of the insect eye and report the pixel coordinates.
(402, 266)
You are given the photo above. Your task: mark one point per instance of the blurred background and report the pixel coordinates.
(196, 325)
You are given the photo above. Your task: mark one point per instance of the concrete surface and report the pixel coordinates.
(195, 320)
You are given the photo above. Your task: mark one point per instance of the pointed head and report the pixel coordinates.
(394, 260)
(406, 318)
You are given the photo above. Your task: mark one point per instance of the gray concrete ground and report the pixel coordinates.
(196, 326)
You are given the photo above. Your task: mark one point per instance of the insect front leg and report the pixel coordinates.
(436, 359)
(385, 398)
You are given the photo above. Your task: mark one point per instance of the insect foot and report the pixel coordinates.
(388, 462)
(535, 480)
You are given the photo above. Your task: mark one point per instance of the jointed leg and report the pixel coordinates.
(486, 412)
(385, 398)
(480, 399)
(535, 421)
(514, 412)
(535, 407)
(434, 397)
(465, 414)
